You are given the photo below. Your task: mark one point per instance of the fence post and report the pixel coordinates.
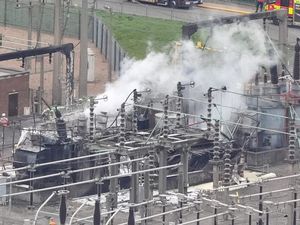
(5, 13)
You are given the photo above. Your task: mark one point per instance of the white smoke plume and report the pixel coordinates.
(237, 52)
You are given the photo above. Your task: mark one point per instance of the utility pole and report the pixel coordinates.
(29, 34)
(56, 83)
(83, 49)
(40, 59)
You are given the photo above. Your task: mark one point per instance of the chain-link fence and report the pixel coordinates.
(19, 15)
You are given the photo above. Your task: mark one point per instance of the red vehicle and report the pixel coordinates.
(292, 6)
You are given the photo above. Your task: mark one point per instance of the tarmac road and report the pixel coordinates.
(204, 12)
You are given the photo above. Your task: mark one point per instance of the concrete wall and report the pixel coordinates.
(195, 177)
(266, 157)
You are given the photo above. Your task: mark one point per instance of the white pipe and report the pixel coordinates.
(89, 181)
(160, 214)
(106, 165)
(142, 203)
(116, 212)
(205, 218)
(290, 201)
(77, 210)
(71, 171)
(230, 107)
(50, 188)
(249, 207)
(58, 161)
(141, 171)
(257, 182)
(39, 209)
(221, 120)
(89, 217)
(224, 204)
(265, 193)
(31, 179)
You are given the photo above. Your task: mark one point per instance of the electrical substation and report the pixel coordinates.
(164, 158)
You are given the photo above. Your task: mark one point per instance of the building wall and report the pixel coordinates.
(12, 84)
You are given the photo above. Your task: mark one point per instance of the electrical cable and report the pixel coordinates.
(238, 109)
(221, 120)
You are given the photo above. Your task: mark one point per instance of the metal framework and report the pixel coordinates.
(66, 49)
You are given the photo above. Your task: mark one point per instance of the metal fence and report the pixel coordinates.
(106, 43)
(15, 15)
(12, 14)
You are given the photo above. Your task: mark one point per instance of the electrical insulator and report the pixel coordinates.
(216, 152)
(122, 126)
(166, 118)
(92, 103)
(209, 109)
(227, 165)
(292, 138)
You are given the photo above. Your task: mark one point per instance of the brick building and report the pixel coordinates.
(14, 92)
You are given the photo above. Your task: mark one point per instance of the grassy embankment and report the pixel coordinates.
(138, 35)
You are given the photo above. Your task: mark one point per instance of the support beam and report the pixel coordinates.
(134, 190)
(189, 29)
(183, 173)
(56, 79)
(83, 49)
(283, 35)
(162, 178)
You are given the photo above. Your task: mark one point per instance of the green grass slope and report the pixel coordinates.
(138, 35)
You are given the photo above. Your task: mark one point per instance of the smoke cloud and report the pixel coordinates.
(236, 53)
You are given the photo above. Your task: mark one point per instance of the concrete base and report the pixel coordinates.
(262, 158)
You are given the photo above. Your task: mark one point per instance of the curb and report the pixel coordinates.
(224, 9)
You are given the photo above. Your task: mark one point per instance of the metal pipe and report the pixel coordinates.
(265, 193)
(159, 214)
(267, 216)
(260, 206)
(214, 201)
(58, 161)
(113, 215)
(164, 216)
(224, 121)
(294, 211)
(205, 218)
(50, 188)
(141, 171)
(71, 171)
(249, 207)
(77, 210)
(215, 217)
(31, 172)
(88, 181)
(198, 217)
(231, 107)
(141, 203)
(180, 212)
(44, 203)
(89, 217)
